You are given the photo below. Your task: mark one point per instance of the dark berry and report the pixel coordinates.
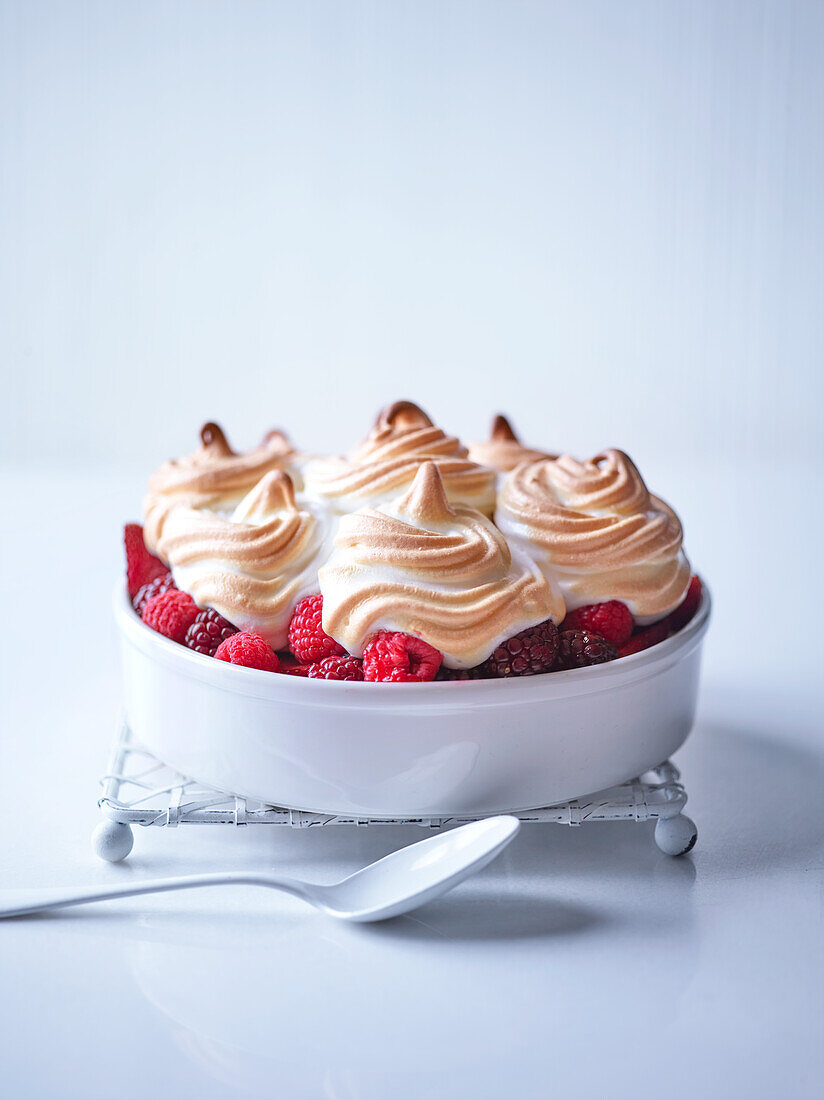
(445, 673)
(152, 588)
(581, 647)
(532, 651)
(207, 632)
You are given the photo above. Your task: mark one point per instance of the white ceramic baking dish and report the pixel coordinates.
(392, 750)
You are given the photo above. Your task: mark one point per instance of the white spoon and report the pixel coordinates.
(395, 884)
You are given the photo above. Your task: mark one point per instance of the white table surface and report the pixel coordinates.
(583, 962)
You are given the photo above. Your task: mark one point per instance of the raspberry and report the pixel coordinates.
(152, 588)
(532, 651)
(249, 650)
(687, 608)
(336, 668)
(397, 658)
(581, 647)
(207, 632)
(612, 620)
(141, 566)
(650, 636)
(307, 639)
(171, 613)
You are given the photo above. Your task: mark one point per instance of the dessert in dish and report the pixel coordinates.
(410, 559)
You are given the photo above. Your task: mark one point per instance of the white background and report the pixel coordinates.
(605, 219)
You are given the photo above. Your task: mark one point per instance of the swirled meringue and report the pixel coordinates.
(213, 477)
(386, 463)
(254, 567)
(503, 451)
(598, 532)
(439, 571)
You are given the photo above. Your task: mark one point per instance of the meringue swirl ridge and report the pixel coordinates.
(386, 462)
(599, 531)
(214, 476)
(254, 568)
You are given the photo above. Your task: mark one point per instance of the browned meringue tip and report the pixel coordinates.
(426, 497)
(275, 492)
(213, 437)
(502, 431)
(400, 416)
(276, 440)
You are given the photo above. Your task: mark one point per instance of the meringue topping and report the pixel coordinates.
(598, 532)
(440, 571)
(504, 451)
(254, 567)
(386, 463)
(213, 477)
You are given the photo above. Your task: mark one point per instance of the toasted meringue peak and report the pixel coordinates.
(214, 440)
(254, 567)
(273, 493)
(503, 451)
(442, 572)
(597, 531)
(401, 416)
(386, 462)
(214, 477)
(426, 498)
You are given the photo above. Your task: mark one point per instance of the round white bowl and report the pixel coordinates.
(409, 750)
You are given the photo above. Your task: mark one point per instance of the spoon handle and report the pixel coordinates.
(16, 903)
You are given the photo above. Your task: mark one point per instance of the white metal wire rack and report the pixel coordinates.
(139, 790)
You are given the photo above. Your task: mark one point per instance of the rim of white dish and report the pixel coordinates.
(443, 694)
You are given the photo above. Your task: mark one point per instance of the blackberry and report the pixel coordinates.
(207, 632)
(152, 588)
(532, 651)
(582, 647)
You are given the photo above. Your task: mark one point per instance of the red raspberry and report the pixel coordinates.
(207, 632)
(650, 636)
(152, 588)
(612, 620)
(307, 639)
(336, 668)
(249, 650)
(687, 608)
(580, 648)
(532, 651)
(171, 613)
(392, 657)
(141, 566)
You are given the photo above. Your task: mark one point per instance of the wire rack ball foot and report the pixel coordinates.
(676, 836)
(112, 841)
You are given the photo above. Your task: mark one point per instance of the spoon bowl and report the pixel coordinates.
(411, 876)
(393, 885)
